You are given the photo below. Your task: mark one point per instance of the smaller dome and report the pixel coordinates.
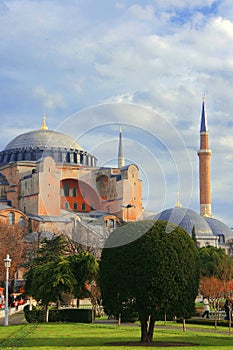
(187, 219)
(219, 228)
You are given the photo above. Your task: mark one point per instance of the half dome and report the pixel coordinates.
(220, 229)
(187, 219)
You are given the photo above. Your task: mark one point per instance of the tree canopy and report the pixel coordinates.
(215, 262)
(158, 272)
(12, 243)
(54, 272)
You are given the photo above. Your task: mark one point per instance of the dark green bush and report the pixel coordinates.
(60, 315)
(34, 316)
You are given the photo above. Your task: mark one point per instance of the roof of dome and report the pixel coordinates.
(186, 218)
(219, 228)
(44, 139)
(36, 145)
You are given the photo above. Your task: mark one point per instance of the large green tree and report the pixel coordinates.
(157, 272)
(54, 272)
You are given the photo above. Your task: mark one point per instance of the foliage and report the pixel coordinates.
(47, 282)
(215, 262)
(12, 243)
(53, 272)
(60, 315)
(194, 238)
(85, 269)
(211, 287)
(159, 272)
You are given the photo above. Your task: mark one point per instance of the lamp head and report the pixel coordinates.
(7, 261)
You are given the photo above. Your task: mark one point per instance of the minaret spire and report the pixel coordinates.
(204, 165)
(121, 159)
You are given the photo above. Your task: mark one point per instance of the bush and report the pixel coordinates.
(60, 315)
(128, 315)
(34, 316)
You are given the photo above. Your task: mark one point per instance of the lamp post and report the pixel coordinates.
(7, 263)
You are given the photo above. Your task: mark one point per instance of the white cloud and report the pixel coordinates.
(49, 100)
(142, 13)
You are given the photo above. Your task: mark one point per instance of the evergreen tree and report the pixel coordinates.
(158, 273)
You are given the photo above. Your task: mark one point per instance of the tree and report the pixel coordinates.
(47, 282)
(54, 272)
(158, 273)
(215, 262)
(194, 238)
(85, 269)
(12, 243)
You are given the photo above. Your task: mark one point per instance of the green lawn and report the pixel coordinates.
(99, 336)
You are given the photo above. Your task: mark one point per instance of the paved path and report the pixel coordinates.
(16, 318)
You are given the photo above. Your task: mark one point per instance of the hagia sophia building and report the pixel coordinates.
(50, 184)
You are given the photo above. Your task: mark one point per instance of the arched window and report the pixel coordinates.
(75, 206)
(83, 206)
(74, 191)
(66, 189)
(11, 218)
(66, 205)
(21, 221)
(221, 238)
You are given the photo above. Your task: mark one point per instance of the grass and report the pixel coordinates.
(99, 336)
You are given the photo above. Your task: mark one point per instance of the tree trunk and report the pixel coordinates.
(184, 325)
(143, 321)
(46, 313)
(151, 329)
(147, 329)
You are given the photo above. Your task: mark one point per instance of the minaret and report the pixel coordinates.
(121, 159)
(204, 166)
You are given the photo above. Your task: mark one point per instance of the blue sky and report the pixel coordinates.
(93, 66)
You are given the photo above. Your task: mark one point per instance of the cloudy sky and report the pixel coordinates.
(93, 66)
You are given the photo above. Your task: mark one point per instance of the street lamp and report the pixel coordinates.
(7, 263)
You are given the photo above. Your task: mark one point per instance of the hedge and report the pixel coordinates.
(59, 315)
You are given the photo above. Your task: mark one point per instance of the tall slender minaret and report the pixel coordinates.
(204, 166)
(121, 159)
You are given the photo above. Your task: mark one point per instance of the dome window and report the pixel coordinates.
(21, 221)
(221, 238)
(11, 218)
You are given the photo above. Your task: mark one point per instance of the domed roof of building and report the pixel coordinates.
(187, 219)
(43, 138)
(219, 228)
(35, 145)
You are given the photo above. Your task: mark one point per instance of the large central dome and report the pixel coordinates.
(34, 145)
(43, 138)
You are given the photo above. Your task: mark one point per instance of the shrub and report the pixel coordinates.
(60, 315)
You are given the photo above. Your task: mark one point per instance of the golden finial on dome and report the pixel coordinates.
(178, 204)
(44, 126)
